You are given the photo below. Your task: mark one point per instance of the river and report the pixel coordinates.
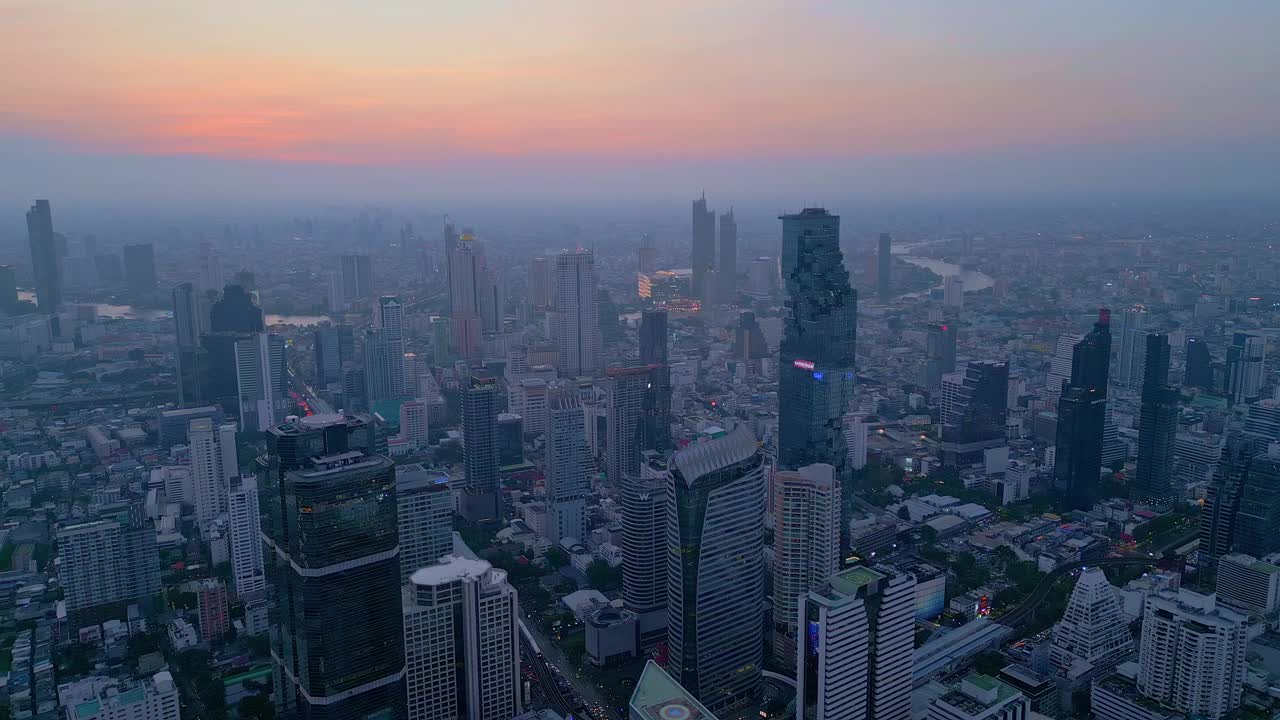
(129, 312)
(972, 279)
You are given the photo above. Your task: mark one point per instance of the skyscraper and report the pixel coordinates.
(816, 375)
(976, 419)
(567, 481)
(727, 271)
(539, 283)
(1094, 628)
(1082, 411)
(884, 266)
(261, 373)
(1192, 657)
(715, 581)
(213, 466)
(703, 247)
(377, 367)
(647, 256)
(1199, 365)
(856, 651)
(461, 642)
(1259, 514)
(576, 327)
(1222, 504)
(625, 390)
(940, 352)
(334, 346)
(356, 276)
(806, 526)
(236, 311)
(1060, 366)
(655, 424)
(389, 319)
(466, 264)
(189, 319)
(424, 507)
(108, 560)
(140, 268)
(1246, 364)
(953, 291)
(247, 570)
(480, 446)
(333, 564)
(46, 261)
(1133, 346)
(644, 547)
(8, 289)
(1158, 426)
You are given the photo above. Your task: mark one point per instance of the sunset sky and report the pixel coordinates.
(618, 91)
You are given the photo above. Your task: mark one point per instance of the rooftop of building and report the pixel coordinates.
(451, 568)
(659, 697)
(850, 581)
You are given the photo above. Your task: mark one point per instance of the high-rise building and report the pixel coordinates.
(491, 299)
(940, 352)
(480, 447)
(213, 466)
(211, 609)
(1060, 366)
(466, 264)
(540, 283)
(658, 697)
(576, 327)
(1094, 628)
(980, 697)
(1246, 362)
(46, 261)
(715, 580)
(389, 320)
(1263, 420)
(8, 289)
(1259, 514)
(356, 274)
(816, 375)
(190, 320)
(1133, 347)
(140, 268)
(261, 374)
(1082, 411)
(334, 346)
(108, 560)
(510, 440)
(953, 291)
(211, 276)
(425, 517)
(1158, 426)
(461, 642)
(977, 416)
(567, 480)
(107, 698)
(884, 266)
(855, 654)
(855, 436)
(1192, 657)
(806, 527)
(247, 572)
(337, 633)
(644, 547)
(1199, 365)
(413, 423)
(1248, 585)
(655, 425)
(647, 255)
(377, 354)
(727, 270)
(1222, 504)
(236, 311)
(625, 390)
(702, 257)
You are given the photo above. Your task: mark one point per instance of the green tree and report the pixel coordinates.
(258, 707)
(602, 577)
(557, 558)
(928, 535)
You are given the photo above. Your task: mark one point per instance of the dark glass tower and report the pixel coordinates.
(140, 268)
(1199, 371)
(655, 427)
(977, 419)
(1082, 413)
(46, 261)
(728, 269)
(703, 251)
(884, 267)
(1259, 516)
(331, 540)
(940, 352)
(1158, 425)
(334, 346)
(480, 446)
(188, 320)
(816, 375)
(1222, 504)
(237, 311)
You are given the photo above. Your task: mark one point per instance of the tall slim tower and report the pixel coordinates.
(727, 271)
(1193, 653)
(816, 376)
(568, 483)
(655, 425)
(46, 261)
(644, 547)
(1246, 364)
(1222, 504)
(715, 582)
(940, 352)
(466, 262)
(331, 546)
(884, 266)
(1259, 515)
(480, 447)
(389, 319)
(1133, 346)
(213, 466)
(1082, 411)
(577, 331)
(703, 248)
(1199, 364)
(189, 319)
(140, 268)
(625, 390)
(261, 371)
(806, 526)
(1158, 426)
(246, 536)
(540, 283)
(425, 510)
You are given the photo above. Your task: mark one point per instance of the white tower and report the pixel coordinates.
(1093, 628)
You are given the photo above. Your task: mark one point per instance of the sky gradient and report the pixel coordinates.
(344, 90)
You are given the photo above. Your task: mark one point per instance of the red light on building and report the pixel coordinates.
(803, 364)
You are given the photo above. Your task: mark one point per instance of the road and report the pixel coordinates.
(585, 689)
(550, 690)
(318, 405)
(1025, 610)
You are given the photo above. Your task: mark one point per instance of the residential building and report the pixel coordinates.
(104, 698)
(568, 482)
(108, 560)
(981, 697)
(424, 510)
(1248, 585)
(213, 464)
(806, 547)
(1192, 657)
(247, 572)
(211, 606)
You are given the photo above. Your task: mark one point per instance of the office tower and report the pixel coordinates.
(977, 416)
(211, 609)
(658, 697)
(940, 352)
(647, 255)
(1082, 411)
(247, 572)
(806, 527)
(107, 267)
(1158, 426)
(727, 270)
(189, 320)
(980, 697)
(655, 426)
(510, 440)
(461, 642)
(261, 373)
(715, 575)
(576, 327)
(8, 289)
(389, 320)
(357, 277)
(377, 367)
(703, 247)
(884, 266)
(46, 261)
(644, 547)
(140, 268)
(1246, 360)
(1248, 585)
(855, 437)
(211, 275)
(106, 698)
(1192, 657)
(856, 651)
(1259, 514)
(816, 373)
(480, 447)
(425, 517)
(175, 424)
(1222, 504)
(625, 390)
(213, 465)
(337, 633)
(354, 388)
(1199, 365)
(236, 311)
(540, 283)
(1060, 366)
(491, 300)
(334, 346)
(763, 276)
(413, 423)
(108, 560)
(1094, 628)
(1133, 346)
(1263, 421)
(567, 480)
(953, 291)
(466, 263)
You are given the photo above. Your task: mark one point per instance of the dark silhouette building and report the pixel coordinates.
(8, 289)
(480, 446)
(1199, 365)
(976, 420)
(1082, 414)
(237, 311)
(884, 266)
(140, 269)
(655, 426)
(1222, 504)
(46, 261)
(703, 250)
(1157, 426)
(334, 346)
(728, 268)
(1259, 515)
(940, 352)
(189, 322)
